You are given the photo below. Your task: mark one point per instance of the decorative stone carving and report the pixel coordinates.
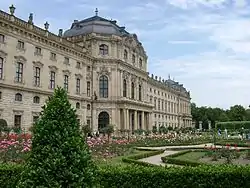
(37, 64)
(3, 54)
(78, 75)
(36, 113)
(66, 72)
(103, 71)
(18, 112)
(125, 75)
(20, 59)
(53, 68)
(133, 78)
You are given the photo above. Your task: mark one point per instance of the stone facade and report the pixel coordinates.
(104, 73)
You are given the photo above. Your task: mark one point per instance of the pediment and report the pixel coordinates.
(53, 68)
(20, 58)
(38, 63)
(67, 72)
(3, 54)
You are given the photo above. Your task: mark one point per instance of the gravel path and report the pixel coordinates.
(156, 159)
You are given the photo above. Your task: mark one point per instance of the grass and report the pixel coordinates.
(118, 160)
(191, 156)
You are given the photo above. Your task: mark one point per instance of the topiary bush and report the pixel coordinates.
(59, 155)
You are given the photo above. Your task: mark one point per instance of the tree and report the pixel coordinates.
(59, 156)
(109, 129)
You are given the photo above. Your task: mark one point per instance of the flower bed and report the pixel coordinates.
(15, 147)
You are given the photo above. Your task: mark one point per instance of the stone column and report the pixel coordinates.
(200, 125)
(209, 125)
(121, 84)
(150, 126)
(142, 121)
(124, 118)
(127, 119)
(135, 120)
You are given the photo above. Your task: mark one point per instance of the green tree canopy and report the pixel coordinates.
(59, 155)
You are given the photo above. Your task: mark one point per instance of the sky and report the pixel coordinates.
(203, 44)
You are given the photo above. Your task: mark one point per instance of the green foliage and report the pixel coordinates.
(139, 176)
(9, 175)
(205, 114)
(154, 130)
(59, 156)
(233, 125)
(163, 129)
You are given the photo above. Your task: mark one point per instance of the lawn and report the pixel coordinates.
(191, 156)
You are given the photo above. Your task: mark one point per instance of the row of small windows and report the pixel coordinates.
(36, 100)
(169, 96)
(103, 50)
(38, 51)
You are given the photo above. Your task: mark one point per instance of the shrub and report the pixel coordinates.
(144, 177)
(59, 157)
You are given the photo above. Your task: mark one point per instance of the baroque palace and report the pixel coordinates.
(101, 65)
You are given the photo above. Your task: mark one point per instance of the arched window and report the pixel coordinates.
(103, 49)
(103, 86)
(125, 54)
(18, 97)
(36, 99)
(132, 90)
(88, 106)
(140, 92)
(140, 63)
(77, 105)
(124, 88)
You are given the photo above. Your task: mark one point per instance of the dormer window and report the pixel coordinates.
(103, 49)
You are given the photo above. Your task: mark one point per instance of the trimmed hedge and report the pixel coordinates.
(145, 177)
(233, 125)
(134, 158)
(175, 143)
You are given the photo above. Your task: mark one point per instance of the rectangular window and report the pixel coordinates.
(78, 83)
(17, 121)
(52, 56)
(66, 82)
(2, 38)
(52, 79)
(20, 45)
(0, 95)
(38, 51)
(159, 104)
(37, 76)
(19, 72)
(1, 68)
(88, 89)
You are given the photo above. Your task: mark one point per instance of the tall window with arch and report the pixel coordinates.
(140, 93)
(19, 72)
(1, 68)
(124, 88)
(103, 86)
(132, 90)
(103, 49)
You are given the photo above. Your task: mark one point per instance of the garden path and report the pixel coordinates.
(156, 159)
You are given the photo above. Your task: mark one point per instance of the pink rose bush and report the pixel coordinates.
(13, 147)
